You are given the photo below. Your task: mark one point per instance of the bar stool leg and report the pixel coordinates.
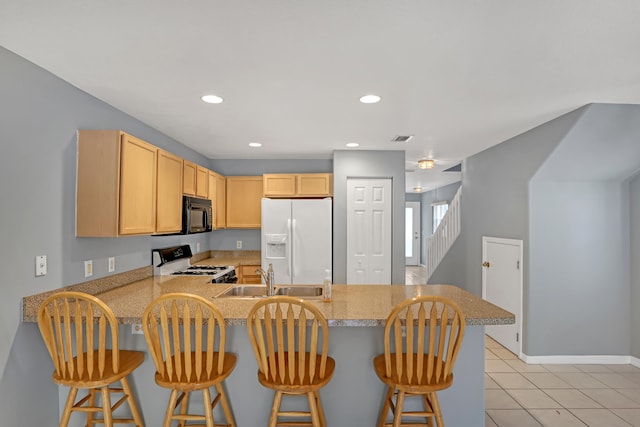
(66, 414)
(323, 422)
(313, 409)
(433, 397)
(106, 407)
(385, 407)
(137, 418)
(275, 409)
(225, 406)
(397, 416)
(170, 408)
(208, 414)
(91, 403)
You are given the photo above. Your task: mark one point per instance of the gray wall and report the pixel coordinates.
(368, 164)
(563, 188)
(495, 199)
(39, 115)
(634, 255)
(227, 239)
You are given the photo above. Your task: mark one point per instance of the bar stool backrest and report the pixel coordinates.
(77, 329)
(290, 339)
(422, 338)
(186, 335)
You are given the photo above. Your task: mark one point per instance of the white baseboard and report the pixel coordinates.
(580, 360)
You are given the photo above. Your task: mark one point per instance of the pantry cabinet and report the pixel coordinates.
(169, 193)
(218, 196)
(298, 185)
(244, 195)
(116, 184)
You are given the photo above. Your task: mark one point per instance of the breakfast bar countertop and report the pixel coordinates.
(352, 305)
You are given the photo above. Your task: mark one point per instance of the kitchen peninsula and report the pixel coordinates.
(356, 318)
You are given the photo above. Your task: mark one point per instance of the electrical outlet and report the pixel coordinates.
(41, 265)
(112, 264)
(239, 244)
(198, 247)
(88, 268)
(136, 329)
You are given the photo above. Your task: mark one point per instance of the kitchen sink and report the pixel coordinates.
(260, 291)
(300, 291)
(245, 291)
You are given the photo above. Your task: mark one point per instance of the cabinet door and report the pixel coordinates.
(169, 203)
(137, 186)
(221, 204)
(189, 178)
(244, 194)
(315, 184)
(279, 185)
(202, 182)
(248, 274)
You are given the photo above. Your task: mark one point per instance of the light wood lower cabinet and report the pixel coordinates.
(116, 185)
(244, 195)
(247, 274)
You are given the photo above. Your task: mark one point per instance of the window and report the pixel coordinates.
(438, 210)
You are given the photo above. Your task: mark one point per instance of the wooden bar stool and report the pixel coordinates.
(422, 338)
(290, 339)
(75, 328)
(189, 359)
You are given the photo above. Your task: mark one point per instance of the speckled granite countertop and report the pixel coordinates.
(352, 305)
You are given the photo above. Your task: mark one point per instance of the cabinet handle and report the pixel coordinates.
(486, 264)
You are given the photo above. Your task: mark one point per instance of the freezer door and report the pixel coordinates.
(276, 238)
(311, 240)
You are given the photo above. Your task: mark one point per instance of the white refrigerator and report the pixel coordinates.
(297, 239)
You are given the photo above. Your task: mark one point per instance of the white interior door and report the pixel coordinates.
(502, 286)
(368, 231)
(412, 233)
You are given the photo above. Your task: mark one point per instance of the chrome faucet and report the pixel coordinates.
(268, 279)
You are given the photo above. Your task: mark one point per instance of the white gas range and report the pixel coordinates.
(176, 261)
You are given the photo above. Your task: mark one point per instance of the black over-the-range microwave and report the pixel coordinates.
(196, 215)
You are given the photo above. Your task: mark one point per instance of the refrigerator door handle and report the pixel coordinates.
(293, 249)
(289, 251)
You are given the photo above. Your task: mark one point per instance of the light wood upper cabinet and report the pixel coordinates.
(116, 184)
(244, 194)
(218, 196)
(190, 177)
(169, 199)
(298, 185)
(202, 182)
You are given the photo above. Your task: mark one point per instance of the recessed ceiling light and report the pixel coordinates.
(212, 99)
(255, 144)
(417, 189)
(352, 144)
(370, 99)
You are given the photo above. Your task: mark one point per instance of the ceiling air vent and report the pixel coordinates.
(402, 138)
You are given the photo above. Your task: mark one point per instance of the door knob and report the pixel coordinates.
(486, 264)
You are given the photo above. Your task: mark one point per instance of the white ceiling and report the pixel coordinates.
(459, 75)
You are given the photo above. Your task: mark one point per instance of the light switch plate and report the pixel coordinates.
(136, 329)
(88, 268)
(239, 244)
(112, 264)
(41, 265)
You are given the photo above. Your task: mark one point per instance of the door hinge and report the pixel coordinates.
(517, 336)
(518, 265)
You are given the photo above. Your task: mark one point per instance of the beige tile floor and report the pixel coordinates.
(517, 394)
(521, 395)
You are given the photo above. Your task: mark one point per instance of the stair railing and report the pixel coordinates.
(447, 232)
